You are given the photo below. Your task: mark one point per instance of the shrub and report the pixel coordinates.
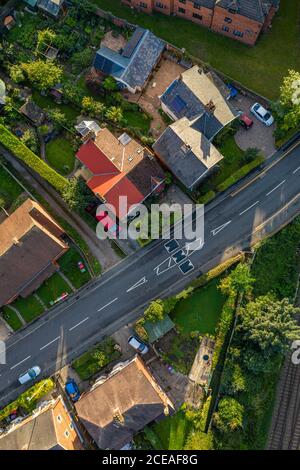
(207, 197)
(241, 173)
(229, 416)
(13, 144)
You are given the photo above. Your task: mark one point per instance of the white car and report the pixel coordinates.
(30, 375)
(262, 114)
(138, 345)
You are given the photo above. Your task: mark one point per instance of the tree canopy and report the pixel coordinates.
(44, 75)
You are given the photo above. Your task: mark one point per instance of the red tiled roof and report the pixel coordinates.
(108, 182)
(95, 160)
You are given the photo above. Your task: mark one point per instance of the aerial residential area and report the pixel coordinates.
(149, 227)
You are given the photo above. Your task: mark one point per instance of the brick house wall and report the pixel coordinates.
(236, 26)
(164, 6)
(191, 11)
(142, 5)
(269, 18)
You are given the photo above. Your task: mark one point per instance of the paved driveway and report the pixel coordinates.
(259, 136)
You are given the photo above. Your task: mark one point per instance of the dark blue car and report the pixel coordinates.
(72, 390)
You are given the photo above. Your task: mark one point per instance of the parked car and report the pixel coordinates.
(136, 344)
(81, 267)
(72, 390)
(262, 114)
(245, 121)
(30, 375)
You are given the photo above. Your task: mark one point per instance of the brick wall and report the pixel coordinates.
(164, 6)
(142, 5)
(235, 26)
(187, 9)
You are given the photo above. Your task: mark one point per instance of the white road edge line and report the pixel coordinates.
(297, 169)
(276, 187)
(248, 208)
(21, 362)
(48, 344)
(78, 324)
(109, 303)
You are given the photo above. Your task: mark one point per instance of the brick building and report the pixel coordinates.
(243, 20)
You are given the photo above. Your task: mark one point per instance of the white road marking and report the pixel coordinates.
(248, 208)
(193, 246)
(21, 362)
(276, 187)
(164, 266)
(137, 284)
(78, 324)
(218, 229)
(48, 344)
(106, 305)
(297, 169)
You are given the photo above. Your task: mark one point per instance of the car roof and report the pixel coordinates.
(134, 341)
(70, 386)
(261, 110)
(246, 119)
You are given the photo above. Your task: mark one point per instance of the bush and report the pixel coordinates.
(215, 272)
(13, 144)
(241, 173)
(207, 197)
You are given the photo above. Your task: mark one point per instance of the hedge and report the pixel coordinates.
(28, 399)
(215, 272)
(206, 198)
(16, 147)
(241, 173)
(224, 325)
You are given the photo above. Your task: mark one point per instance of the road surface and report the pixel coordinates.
(232, 224)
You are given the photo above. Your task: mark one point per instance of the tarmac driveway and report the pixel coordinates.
(259, 136)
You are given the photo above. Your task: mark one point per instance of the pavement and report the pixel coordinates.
(233, 222)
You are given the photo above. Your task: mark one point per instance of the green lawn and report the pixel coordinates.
(46, 102)
(61, 155)
(68, 264)
(11, 318)
(173, 431)
(201, 311)
(52, 288)
(138, 120)
(30, 308)
(9, 188)
(260, 68)
(87, 365)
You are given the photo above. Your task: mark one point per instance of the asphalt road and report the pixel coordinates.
(232, 224)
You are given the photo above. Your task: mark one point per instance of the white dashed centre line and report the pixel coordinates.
(297, 169)
(276, 187)
(50, 342)
(248, 208)
(78, 324)
(21, 362)
(106, 305)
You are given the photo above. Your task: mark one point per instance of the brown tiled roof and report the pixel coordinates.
(29, 243)
(122, 405)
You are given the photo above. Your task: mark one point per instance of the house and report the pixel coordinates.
(117, 167)
(33, 112)
(52, 8)
(196, 94)
(87, 129)
(31, 242)
(122, 404)
(49, 427)
(243, 20)
(31, 4)
(132, 66)
(198, 103)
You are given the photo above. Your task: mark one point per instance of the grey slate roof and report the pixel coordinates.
(253, 9)
(134, 65)
(51, 6)
(193, 107)
(37, 434)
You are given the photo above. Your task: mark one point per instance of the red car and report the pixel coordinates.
(245, 121)
(81, 267)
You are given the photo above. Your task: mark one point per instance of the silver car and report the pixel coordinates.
(262, 114)
(30, 375)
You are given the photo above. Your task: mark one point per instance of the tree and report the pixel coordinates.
(229, 416)
(233, 380)
(45, 37)
(198, 440)
(239, 280)
(269, 324)
(76, 194)
(43, 75)
(57, 117)
(155, 311)
(114, 114)
(92, 107)
(81, 60)
(287, 108)
(16, 73)
(72, 93)
(110, 84)
(30, 140)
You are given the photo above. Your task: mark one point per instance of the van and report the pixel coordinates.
(30, 375)
(138, 345)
